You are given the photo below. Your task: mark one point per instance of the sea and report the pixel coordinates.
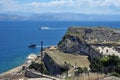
(16, 36)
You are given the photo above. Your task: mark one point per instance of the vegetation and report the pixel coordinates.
(65, 68)
(80, 70)
(75, 33)
(39, 67)
(109, 64)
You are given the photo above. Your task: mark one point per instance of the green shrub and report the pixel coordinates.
(39, 67)
(109, 64)
(115, 74)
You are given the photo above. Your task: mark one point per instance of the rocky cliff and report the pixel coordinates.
(51, 65)
(90, 41)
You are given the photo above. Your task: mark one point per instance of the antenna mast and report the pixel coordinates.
(41, 51)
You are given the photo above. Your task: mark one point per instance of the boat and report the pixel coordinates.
(44, 28)
(32, 46)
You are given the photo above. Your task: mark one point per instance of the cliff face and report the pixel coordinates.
(88, 40)
(51, 65)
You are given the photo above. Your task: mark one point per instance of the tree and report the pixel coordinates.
(96, 65)
(78, 71)
(39, 67)
(109, 64)
(85, 70)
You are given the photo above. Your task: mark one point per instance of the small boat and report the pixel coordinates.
(44, 28)
(32, 46)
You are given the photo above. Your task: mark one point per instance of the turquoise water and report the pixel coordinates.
(15, 36)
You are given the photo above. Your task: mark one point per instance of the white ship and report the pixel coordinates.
(44, 27)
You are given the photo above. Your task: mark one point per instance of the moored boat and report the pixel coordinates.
(32, 46)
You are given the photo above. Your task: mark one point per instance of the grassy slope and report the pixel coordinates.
(60, 58)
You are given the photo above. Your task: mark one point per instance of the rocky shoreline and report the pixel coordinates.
(17, 71)
(12, 71)
(23, 73)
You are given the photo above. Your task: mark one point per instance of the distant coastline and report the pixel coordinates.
(59, 17)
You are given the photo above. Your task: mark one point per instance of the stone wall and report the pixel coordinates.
(31, 74)
(51, 66)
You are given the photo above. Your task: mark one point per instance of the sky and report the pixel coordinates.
(61, 6)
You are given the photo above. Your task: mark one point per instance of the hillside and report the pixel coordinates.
(58, 17)
(91, 41)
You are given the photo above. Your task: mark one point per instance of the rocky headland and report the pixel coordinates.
(79, 44)
(91, 41)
